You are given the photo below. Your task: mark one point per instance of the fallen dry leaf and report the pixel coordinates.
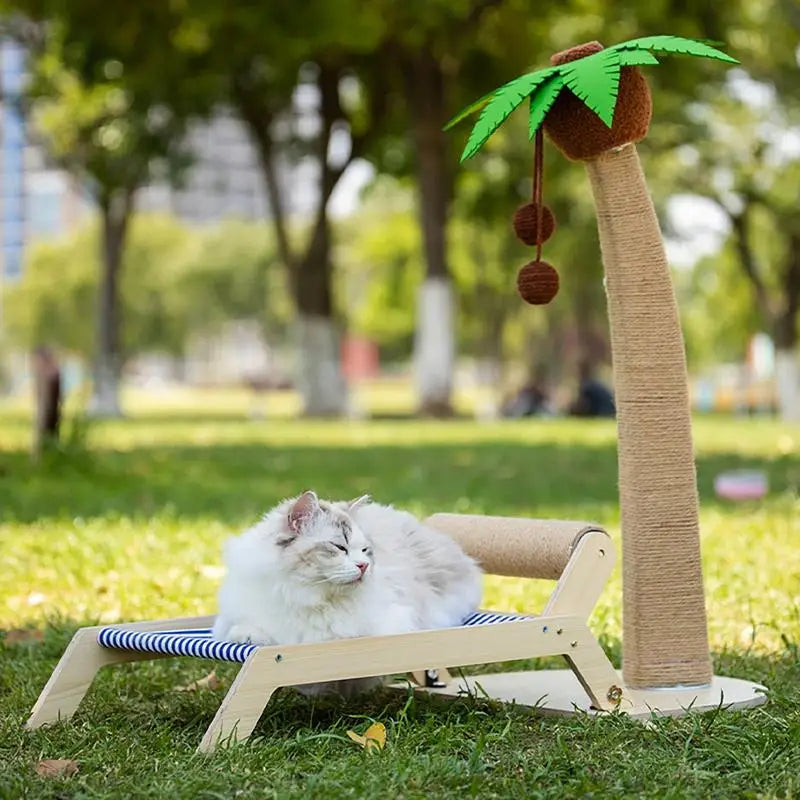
(20, 635)
(56, 768)
(211, 681)
(374, 737)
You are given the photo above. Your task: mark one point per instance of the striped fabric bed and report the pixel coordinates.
(198, 642)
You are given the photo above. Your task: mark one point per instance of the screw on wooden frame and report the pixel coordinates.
(614, 694)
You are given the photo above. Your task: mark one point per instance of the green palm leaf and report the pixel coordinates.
(542, 100)
(471, 108)
(636, 58)
(500, 107)
(675, 44)
(595, 80)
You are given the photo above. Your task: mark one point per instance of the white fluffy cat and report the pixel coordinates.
(314, 570)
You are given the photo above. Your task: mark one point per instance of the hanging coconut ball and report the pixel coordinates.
(526, 223)
(537, 283)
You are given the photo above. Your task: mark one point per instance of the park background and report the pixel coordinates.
(241, 231)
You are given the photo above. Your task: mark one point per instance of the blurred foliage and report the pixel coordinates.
(717, 309)
(726, 136)
(175, 282)
(231, 271)
(745, 159)
(96, 131)
(381, 267)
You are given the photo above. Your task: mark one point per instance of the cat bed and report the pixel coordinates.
(579, 556)
(197, 642)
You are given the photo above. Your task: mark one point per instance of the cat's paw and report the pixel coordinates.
(246, 634)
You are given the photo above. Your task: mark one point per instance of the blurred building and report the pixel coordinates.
(12, 158)
(223, 181)
(36, 200)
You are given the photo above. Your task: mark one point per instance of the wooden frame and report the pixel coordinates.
(560, 630)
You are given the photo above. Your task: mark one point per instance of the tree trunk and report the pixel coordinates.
(320, 379)
(787, 384)
(434, 346)
(665, 639)
(779, 311)
(115, 210)
(319, 375)
(787, 368)
(435, 357)
(47, 385)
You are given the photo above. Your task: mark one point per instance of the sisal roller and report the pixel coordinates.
(519, 548)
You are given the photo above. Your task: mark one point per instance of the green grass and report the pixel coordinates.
(132, 528)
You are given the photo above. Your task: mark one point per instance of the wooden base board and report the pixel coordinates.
(558, 692)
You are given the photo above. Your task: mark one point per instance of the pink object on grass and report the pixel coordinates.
(742, 485)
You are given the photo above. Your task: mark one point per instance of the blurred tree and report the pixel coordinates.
(717, 309)
(382, 264)
(425, 46)
(174, 283)
(443, 54)
(289, 77)
(380, 255)
(327, 83)
(747, 164)
(232, 271)
(40, 310)
(112, 125)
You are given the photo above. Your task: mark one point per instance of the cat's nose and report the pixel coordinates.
(362, 565)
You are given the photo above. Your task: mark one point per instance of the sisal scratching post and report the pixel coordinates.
(665, 641)
(665, 638)
(594, 104)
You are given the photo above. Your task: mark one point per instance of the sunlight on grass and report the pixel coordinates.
(133, 528)
(128, 523)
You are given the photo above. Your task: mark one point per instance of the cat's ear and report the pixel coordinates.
(302, 510)
(359, 501)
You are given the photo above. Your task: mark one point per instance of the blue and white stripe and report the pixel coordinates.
(199, 643)
(195, 642)
(491, 618)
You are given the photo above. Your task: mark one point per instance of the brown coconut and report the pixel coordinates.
(526, 223)
(537, 283)
(578, 132)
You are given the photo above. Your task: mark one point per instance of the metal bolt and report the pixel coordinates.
(279, 657)
(559, 631)
(544, 629)
(614, 694)
(573, 643)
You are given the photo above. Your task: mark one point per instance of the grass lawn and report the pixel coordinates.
(131, 527)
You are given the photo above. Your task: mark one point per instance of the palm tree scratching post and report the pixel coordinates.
(594, 104)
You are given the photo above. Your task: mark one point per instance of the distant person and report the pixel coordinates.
(594, 398)
(530, 401)
(47, 383)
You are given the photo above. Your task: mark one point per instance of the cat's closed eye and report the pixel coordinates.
(340, 547)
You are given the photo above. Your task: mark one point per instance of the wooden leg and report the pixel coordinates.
(73, 676)
(242, 707)
(594, 672)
